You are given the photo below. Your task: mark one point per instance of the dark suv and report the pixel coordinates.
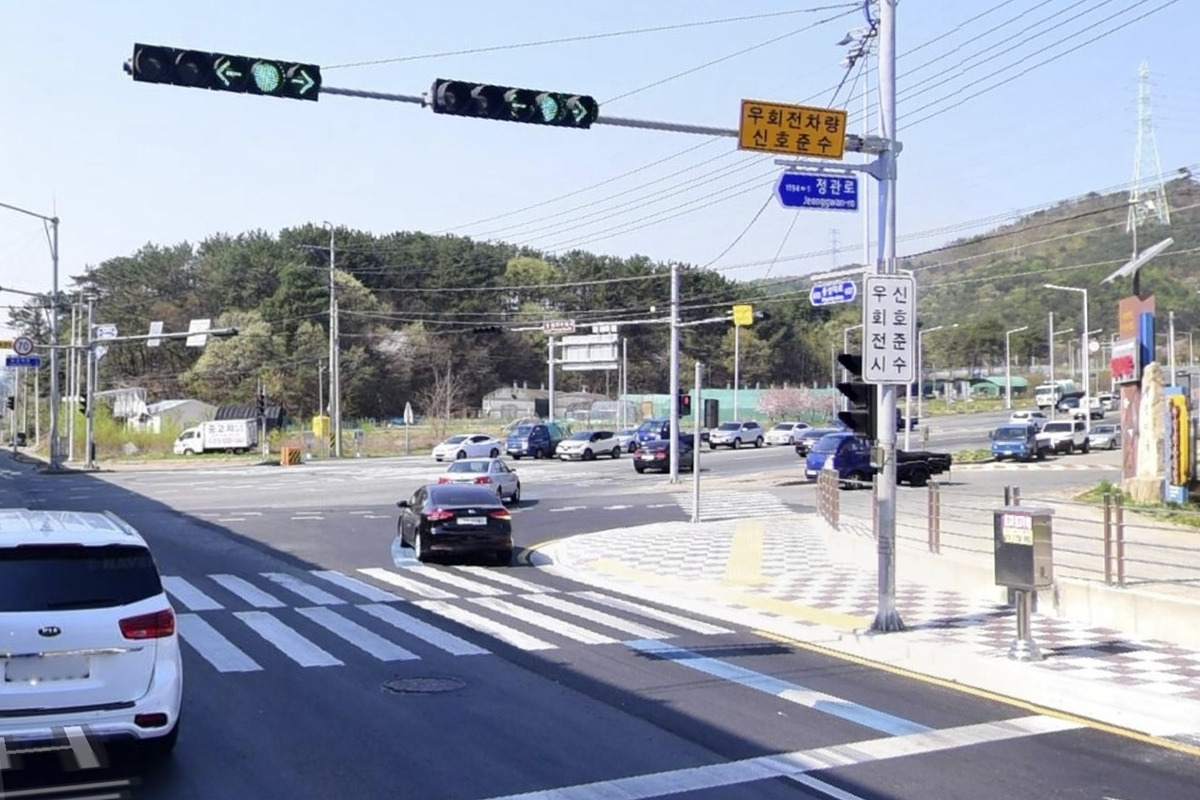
(656, 454)
(537, 439)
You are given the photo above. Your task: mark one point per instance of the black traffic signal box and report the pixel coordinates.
(862, 414)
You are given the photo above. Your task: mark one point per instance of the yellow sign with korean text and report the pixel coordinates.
(743, 315)
(792, 130)
(6, 344)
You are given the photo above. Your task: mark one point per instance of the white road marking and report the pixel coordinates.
(364, 590)
(356, 634)
(521, 641)
(552, 624)
(286, 640)
(504, 576)
(694, 625)
(570, 508)
(214, 648)
(615, 508)
(422, 630)
(416, 587)
(81, 748)
(600, 617)
(459, 581)
(799, 762)
(248, 591)
(662, 505)
(312, 594)
(191, 597)
(310, 518)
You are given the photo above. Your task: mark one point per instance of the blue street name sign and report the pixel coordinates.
(818, 190)
(23, 361)
(829, 293)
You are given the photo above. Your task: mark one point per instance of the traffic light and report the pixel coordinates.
(262, 404)
(537, 107)
(685, 404)
(862, 412)
(11, 402)
(83, 404)
(224, 73)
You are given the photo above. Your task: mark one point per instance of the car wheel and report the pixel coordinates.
(1112, 444)
(918, 478)
(639, 469)
(616, 452)
(502, 558)
(712, 446)
(737, 444)
(588, 455)
(758, 442)
(1087, 446)
(516, 495)
(419, 551)
(494, 454)
(160, 746)
(461, 454)
(516, 456)
(855, 480)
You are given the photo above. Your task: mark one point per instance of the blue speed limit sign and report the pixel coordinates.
(23, 345)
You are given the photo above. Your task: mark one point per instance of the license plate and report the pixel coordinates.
(46, 668)
(647, 456)
(472, 521)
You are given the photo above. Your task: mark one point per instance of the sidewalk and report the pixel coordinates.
(783, 577)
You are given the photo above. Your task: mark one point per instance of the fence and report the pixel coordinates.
(1109, 542)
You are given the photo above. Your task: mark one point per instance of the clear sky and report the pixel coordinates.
(127, 163)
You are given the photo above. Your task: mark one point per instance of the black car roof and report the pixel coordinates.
(455, 495)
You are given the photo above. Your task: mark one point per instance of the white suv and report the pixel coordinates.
(88, 647)
(736, 434)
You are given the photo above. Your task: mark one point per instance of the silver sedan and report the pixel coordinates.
(1105, 437)
(493, 473)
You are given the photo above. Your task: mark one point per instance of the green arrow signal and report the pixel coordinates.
(225, 71)
(304, 81)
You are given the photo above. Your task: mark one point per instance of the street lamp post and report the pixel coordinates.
(921, 369)
(1008, 364)
(1083, 338)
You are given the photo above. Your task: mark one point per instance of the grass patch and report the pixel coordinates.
(1183, 514)
(972, 456)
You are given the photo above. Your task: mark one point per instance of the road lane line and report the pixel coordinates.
(552, 624)
(399, 581)
(597, 616)
(744, 567)
(459, 581)
(431, 634)
(364, 590)
(498, 630)
(81, 748)
(357, 635)
(191, 597)
(214, 648)
(248, 591)
(799, 762)
(503, 576)
(286, 640)
(792, 692)
(312, 594)
(694, 625)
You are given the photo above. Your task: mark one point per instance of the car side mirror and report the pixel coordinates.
(403, 504)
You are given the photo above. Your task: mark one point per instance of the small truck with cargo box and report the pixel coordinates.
(229, 435)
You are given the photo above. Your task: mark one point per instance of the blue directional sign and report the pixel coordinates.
(23, 361)
(818, 190)
(829, 293)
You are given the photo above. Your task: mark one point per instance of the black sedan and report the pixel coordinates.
(806, 440)
(656, 454)
(444, 519)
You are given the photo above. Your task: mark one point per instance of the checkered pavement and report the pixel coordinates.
(796, 568)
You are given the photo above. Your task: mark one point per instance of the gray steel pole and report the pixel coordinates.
(833, 376)
(1086, 357)
(1052, 405)
(55, 458)
(887, 618)
(90, 371)
(624, 380)
(697, 404)
(72, 378)
(550, 370)
(335, 371)
(737, 359)
(1170, 350)
(674, 378)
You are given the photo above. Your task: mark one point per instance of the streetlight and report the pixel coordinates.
(1008, 364)
(54, 399)
(921, 371)
(1087, 416)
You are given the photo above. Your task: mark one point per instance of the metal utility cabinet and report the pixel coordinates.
(1024, 553)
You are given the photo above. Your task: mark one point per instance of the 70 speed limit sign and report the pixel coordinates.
(22, 345)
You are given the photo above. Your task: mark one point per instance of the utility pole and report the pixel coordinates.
(72, 380)
(90, 371)
(887, 618)
(674, 378)
(335, 380)
(550, 370)
(1170, 348)
(737, 360)
(697, 404)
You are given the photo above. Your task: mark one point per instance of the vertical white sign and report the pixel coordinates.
(890, 327)
(197, 328)
(155, 328)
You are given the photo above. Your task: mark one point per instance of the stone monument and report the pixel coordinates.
(1147, 486)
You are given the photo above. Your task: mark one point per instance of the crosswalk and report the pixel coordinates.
(718, 504)
(325, 618)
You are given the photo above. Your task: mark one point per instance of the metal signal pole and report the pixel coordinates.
(674, 380)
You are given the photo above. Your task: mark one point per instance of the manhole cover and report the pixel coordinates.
(423, 685)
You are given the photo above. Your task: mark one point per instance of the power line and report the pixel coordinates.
(590, 37)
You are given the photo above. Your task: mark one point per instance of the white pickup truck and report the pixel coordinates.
(1067, 436)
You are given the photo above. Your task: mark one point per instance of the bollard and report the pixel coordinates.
(1108, 534)
(935, 518)
(1120, 537)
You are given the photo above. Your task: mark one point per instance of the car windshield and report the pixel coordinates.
(456, 439)
(40, 578)
(1011, 434)
(828, 444)
(582, 436)
(523, 430)
(627, 431)
(783, 426)
(468, 466)
(729, 426)
(1058, 427)
(1104, 429)
(649, 425)
(451, 496)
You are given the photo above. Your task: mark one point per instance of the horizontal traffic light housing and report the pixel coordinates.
(222, 72)
(512, 104)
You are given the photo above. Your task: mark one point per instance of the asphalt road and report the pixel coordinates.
(303, 681)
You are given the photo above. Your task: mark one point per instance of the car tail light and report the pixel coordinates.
(444, 479)
(483, 479)
(439, 514)
(500, 513)
(149, 626)
(661, 454)
(155, 719)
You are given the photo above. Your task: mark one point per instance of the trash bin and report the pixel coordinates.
(22, 439)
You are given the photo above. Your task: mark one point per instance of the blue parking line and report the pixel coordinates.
(792, 692)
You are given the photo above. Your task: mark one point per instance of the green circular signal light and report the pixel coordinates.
(549, 107)
(267, 76)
